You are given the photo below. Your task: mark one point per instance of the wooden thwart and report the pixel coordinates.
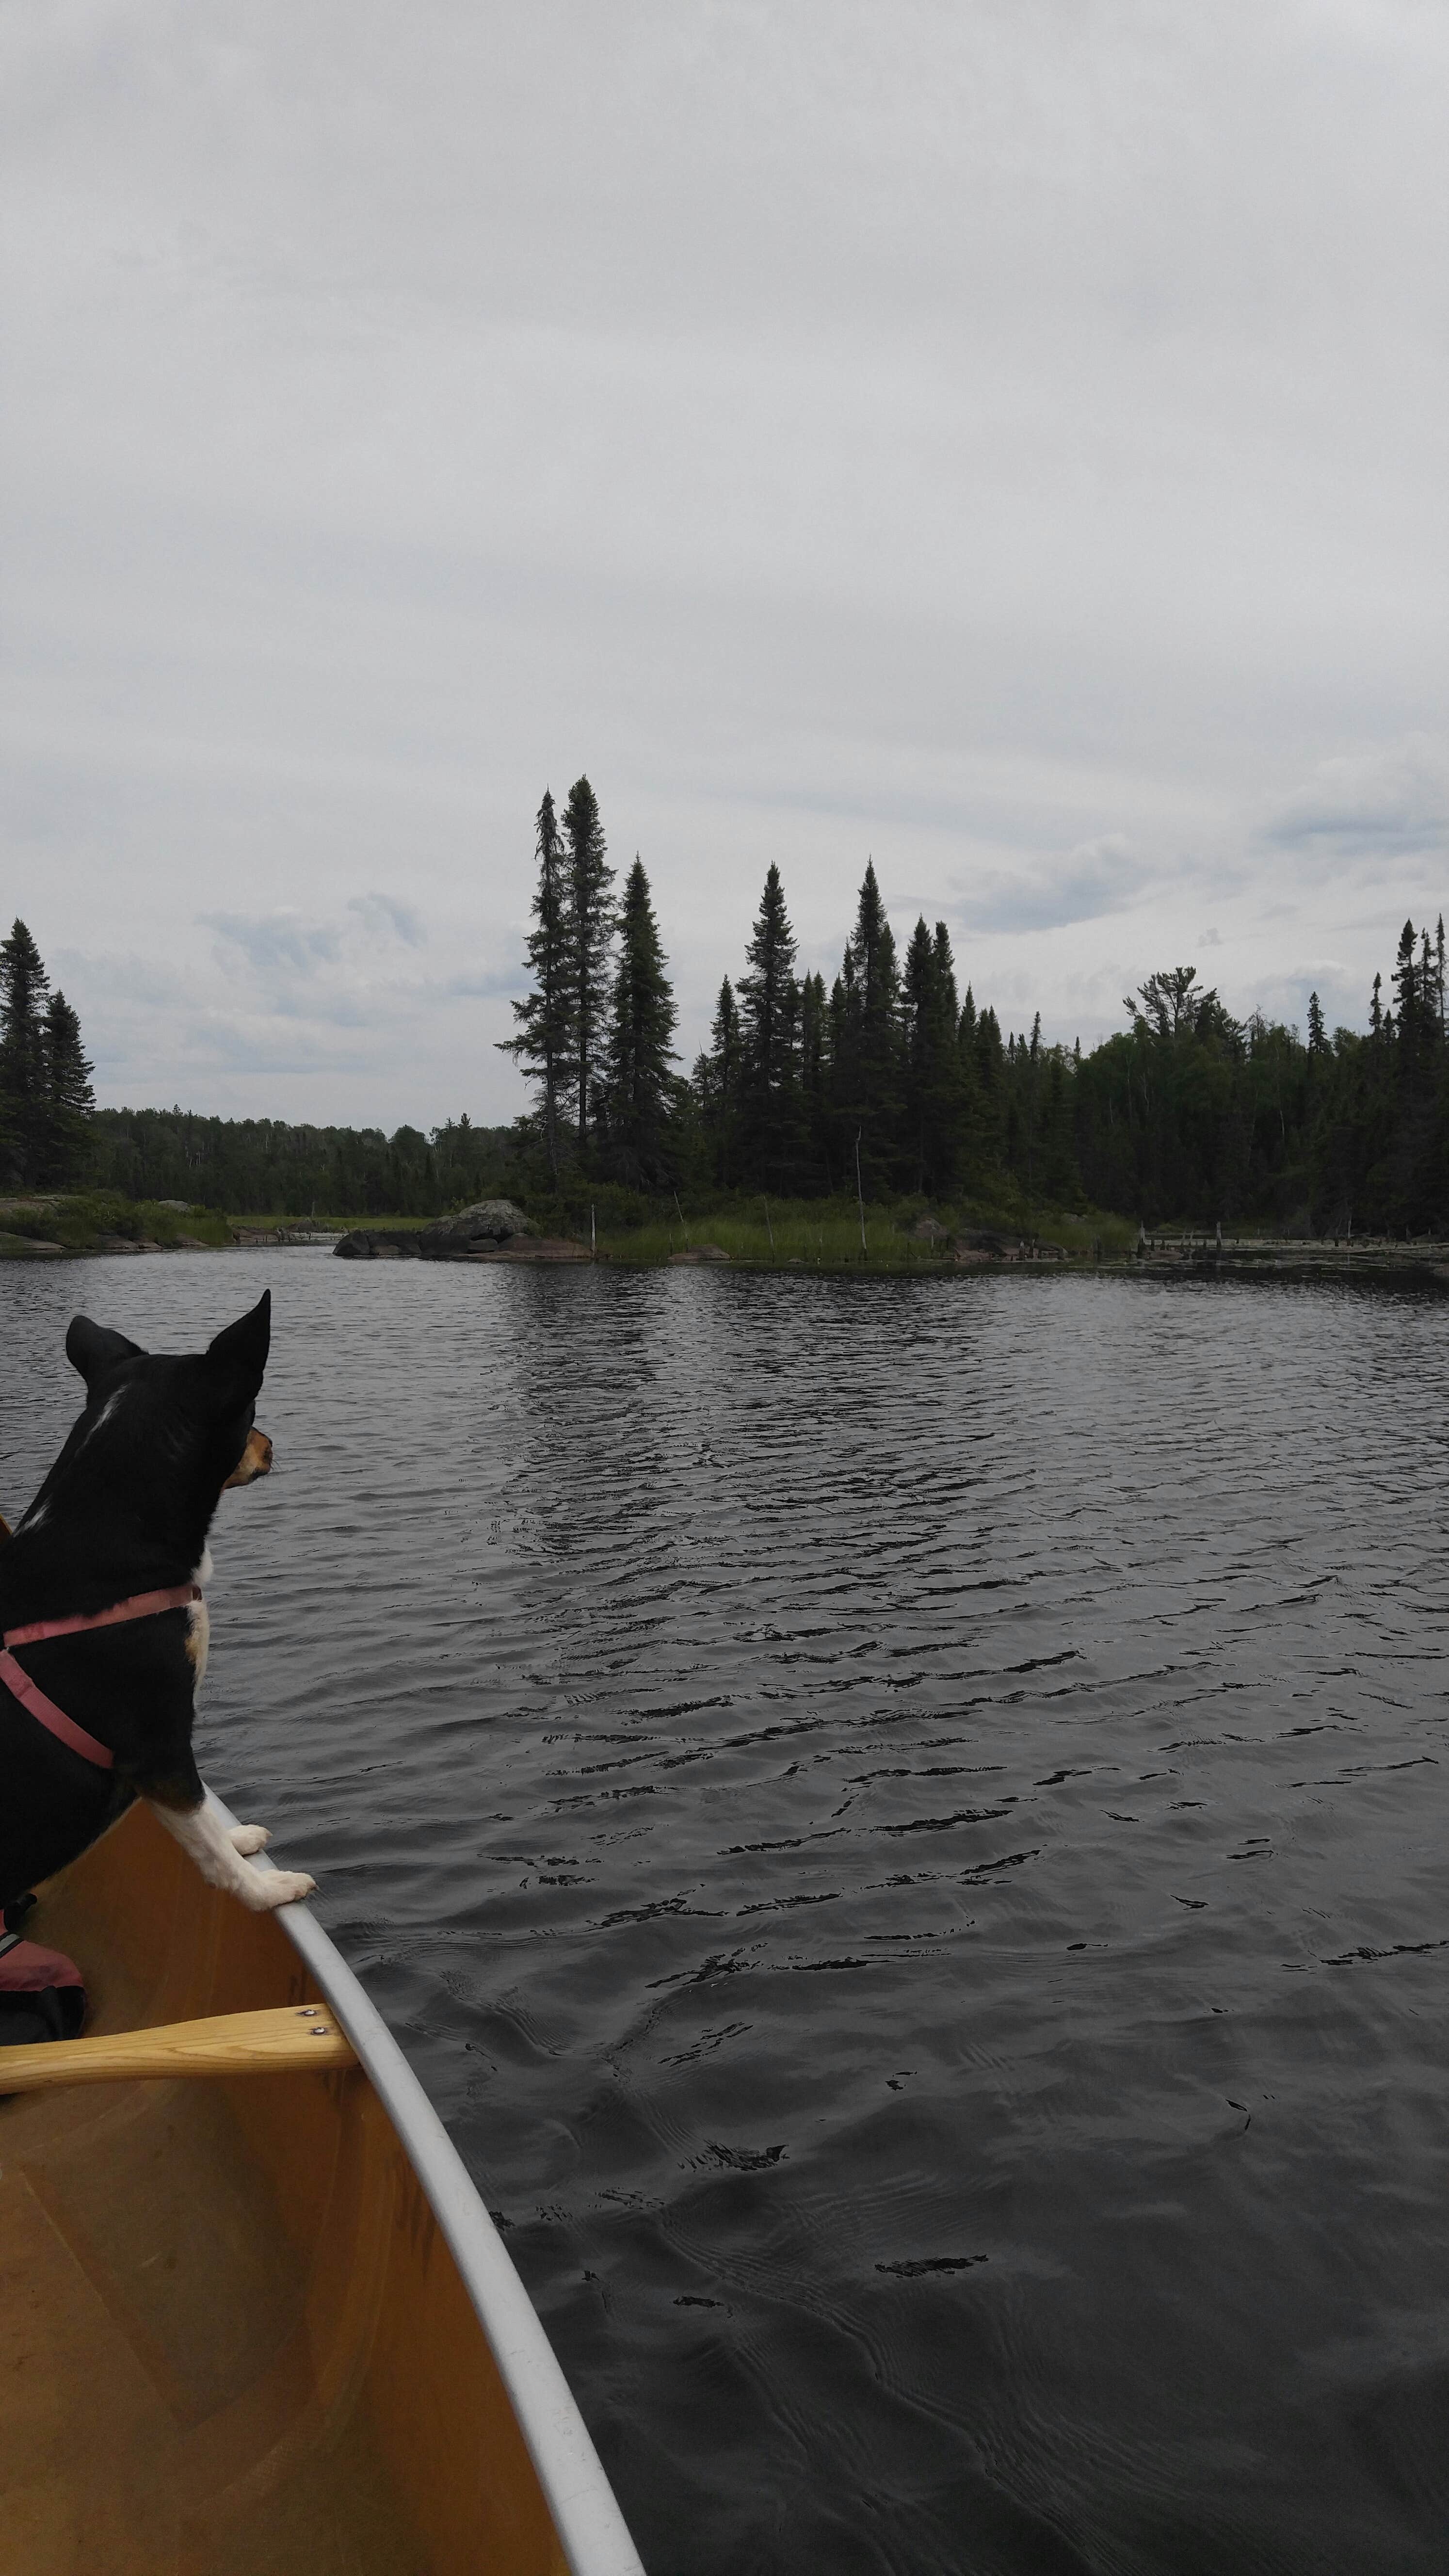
(275, 2042)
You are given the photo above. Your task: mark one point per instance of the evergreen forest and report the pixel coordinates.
(896, 1082)
(893, 1081)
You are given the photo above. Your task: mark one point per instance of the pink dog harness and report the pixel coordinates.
(141, 1605)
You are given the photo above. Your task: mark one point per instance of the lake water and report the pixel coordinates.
(903, 1825)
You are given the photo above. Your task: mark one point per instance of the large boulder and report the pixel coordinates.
(488, 1227)
(485, 1227)
(379, 1243)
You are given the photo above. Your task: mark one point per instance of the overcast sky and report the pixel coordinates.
(1003, 437)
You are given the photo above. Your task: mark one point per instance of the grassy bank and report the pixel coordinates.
(251, 1220)
(46, 1226)
(815, 1234)
(909, 1236)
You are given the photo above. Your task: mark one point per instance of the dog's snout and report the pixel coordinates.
(255, 1460)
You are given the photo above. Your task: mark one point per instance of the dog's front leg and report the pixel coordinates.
(204, 1837)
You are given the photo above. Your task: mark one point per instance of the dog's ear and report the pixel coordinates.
(95, 1350)
(238, 1357)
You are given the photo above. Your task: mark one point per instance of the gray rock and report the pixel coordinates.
(484, 1228)
(379, 1243)
(474, 1229)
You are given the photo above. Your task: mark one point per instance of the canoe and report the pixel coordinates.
(253, 2313)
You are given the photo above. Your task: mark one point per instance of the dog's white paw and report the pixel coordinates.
(248, 1839)
(283, 1887)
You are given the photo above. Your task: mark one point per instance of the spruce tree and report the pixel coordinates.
(991, 1091)
(769, 1058)
(932, 1070)
(1061, 1181)
(717, 1087)
(866, 1068)
(641, 1025)
(814, 1082)
(841, 1019)
(546, 1044)
(589, 880)
(69, 1099)
(1409, 1016)
(24, 1074)
(971, 1154)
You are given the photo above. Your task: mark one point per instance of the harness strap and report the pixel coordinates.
(141, 1605)
(31, 1696)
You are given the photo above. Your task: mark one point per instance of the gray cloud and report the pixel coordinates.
(402, 920)
(1099, 878)
(1393, 800)
(278, 945)
(1006, 441)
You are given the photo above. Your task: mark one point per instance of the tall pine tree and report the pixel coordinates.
(769, 1054)
(546, 1044)
(69, 1099)
(641, 1025)
(24, 1073)
(866, 1031)
(717, 1087)
(590, 882)
(932, 1068)
(814, 1083)
(984, 1041)
(1410, 1016)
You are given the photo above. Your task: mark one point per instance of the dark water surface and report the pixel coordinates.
(903, 1825)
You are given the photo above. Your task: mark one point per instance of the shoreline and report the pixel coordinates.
(1402, 1267)
(90, 1227)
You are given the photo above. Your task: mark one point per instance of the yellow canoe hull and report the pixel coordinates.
(262, 2323)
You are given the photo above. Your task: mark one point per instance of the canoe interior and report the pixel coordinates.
(232, 2337)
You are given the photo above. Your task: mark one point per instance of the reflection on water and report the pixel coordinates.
(903, 1824)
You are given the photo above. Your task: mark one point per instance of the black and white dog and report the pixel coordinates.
(104, 1625)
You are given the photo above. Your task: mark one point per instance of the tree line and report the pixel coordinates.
(53, 1137)
(893, 1080)
(266, 1166)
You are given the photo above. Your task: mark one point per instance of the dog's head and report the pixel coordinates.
(161, 1437)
